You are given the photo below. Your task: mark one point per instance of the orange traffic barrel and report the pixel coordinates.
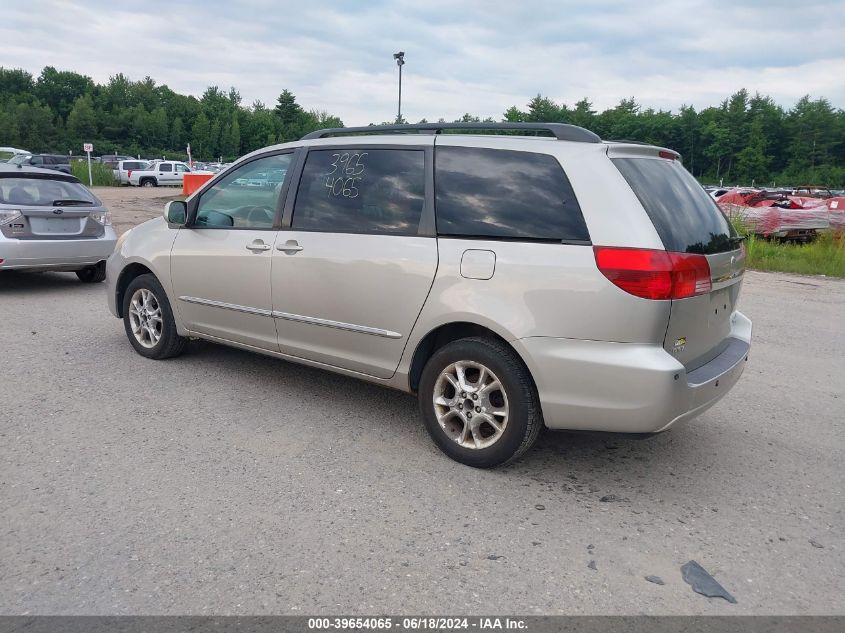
(192, 182)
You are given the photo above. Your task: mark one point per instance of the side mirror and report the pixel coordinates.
(176, 212)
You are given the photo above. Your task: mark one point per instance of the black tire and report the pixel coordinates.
(92, 274)
(148, 182)
(524, 420)
(170, 343)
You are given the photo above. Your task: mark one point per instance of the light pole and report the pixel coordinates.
(400, 61)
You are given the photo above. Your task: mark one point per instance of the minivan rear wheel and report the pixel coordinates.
(148, 320)
(479, 403)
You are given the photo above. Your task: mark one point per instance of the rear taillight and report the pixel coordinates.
(653, 274)
(8, 215)
(102, 217)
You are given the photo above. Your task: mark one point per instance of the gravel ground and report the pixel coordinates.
(133, 205)
(223, 482)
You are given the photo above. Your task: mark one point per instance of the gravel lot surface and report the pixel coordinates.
(223, 482)
(133, 205)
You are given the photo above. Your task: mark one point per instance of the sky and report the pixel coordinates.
(473, 56)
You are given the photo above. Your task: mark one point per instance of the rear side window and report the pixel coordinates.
(685, 217)
(361, 191)
(165, 167)
(506, 195)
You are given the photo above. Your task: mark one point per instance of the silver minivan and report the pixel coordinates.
(510, 281)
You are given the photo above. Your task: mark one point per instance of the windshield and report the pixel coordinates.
(18, 159)
(44, 192)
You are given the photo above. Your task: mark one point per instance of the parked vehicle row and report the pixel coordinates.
(58, 162)
(510, 282)
(160, 174)
(779, 214)
(123, 169)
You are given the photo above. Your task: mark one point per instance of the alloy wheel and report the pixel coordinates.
(145, 318)
(471, 404)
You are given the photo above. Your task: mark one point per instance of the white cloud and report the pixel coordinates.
(477, 57)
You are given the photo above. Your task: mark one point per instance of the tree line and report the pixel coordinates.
(743, 139)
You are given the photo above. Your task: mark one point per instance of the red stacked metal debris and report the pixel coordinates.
(773, 214)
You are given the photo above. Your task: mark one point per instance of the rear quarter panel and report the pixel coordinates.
(546, 289)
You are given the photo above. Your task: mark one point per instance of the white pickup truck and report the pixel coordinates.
(161, 174)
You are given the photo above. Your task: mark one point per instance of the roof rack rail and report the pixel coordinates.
(561, 131)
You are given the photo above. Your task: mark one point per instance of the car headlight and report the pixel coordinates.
(9, 215)
(103, 217)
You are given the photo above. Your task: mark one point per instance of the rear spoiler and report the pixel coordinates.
(634, 149)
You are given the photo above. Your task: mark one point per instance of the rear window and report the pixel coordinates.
(685, 217)
(505, 194)
(43, 192)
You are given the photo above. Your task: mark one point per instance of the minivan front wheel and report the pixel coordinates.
(148, 320)
(479, 403)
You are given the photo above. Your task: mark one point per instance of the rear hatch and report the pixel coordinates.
(689, 221)
(36, 207)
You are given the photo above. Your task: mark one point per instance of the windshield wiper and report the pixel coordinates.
(69, 202)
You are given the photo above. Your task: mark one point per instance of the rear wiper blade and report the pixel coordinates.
(69, 202)
(737, 239)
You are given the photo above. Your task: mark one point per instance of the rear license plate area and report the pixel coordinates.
(54, 226)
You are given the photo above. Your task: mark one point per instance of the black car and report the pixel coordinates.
(57, 162)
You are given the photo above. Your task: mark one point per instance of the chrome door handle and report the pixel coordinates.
(258, 246)
(291, 246)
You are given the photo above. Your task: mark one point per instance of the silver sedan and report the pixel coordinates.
(51, 221)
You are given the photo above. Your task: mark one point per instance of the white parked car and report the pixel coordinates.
(161, 174)
(124, 168)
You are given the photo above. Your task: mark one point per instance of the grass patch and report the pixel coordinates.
(101, 174)
(824, 256)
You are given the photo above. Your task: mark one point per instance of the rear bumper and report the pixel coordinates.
(625, 387)
(55, 254)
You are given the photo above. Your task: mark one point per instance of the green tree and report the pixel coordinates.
(231, 143)
(752, 161)
(290, 115)
(200, 137)
(81, 122)
(542, 109)
(177, 135)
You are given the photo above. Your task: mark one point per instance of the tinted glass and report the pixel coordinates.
(361, 191)
(36, 160)
(246, 197)
(166, 167)
(685, 217)
(42, 192)
(504, 194)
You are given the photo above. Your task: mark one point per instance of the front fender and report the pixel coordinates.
(148, 245)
